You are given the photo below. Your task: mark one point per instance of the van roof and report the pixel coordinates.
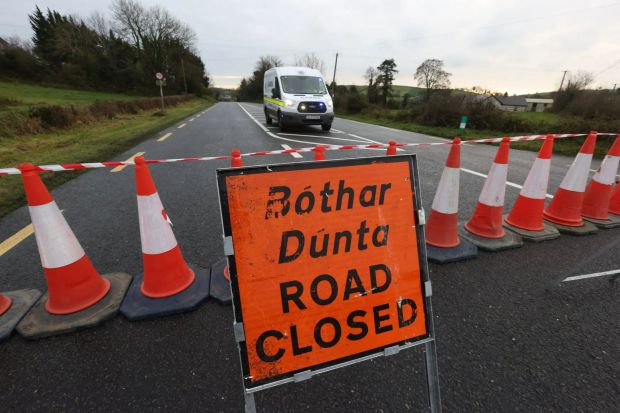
(295, 70)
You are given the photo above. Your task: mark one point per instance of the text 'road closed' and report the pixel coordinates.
(326, 262)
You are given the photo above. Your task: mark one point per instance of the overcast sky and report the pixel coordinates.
(520, 46)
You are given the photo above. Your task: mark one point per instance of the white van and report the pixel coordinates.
(297, 96)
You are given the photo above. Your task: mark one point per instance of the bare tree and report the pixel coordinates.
(310, 60)
(153, 26)
(579, 80)
(129, 21)
(430, 75)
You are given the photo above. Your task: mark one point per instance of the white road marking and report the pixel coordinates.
(336, 130)
(469, 171)
(182, 125)
(192, 119)
(293, 154)
(273, 135)
(324, 137)
(260, 125)
(593, 275)
(392, 129)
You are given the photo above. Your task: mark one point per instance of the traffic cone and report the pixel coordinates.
(598, 193)
(442, 240)
(614, 202)
(77, 296)
(168, 284)
(391, 149)
(484, 228)
(220, 276)
(564, 211)
(526, 216)
(13, 306)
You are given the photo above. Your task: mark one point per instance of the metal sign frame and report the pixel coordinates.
(427, 340)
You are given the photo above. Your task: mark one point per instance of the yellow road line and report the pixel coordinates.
(182, 125)
(15, 239)
(163, 138)
(121, 167)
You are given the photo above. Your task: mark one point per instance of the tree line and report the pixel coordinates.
(120, 54)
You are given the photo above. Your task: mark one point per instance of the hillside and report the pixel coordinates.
(15, 95)
(44, 125)
(398, 90)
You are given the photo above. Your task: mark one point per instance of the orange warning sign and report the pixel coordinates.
(326, 265)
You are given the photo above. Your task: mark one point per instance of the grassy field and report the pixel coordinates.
(563, 146)
(27, 95)
(544, 117)
(89, 143)
(397, 90)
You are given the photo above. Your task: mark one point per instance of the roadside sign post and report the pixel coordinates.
(160, 81)
(463, 122)
(327, 265)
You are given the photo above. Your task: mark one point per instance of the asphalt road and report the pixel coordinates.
(510, 335)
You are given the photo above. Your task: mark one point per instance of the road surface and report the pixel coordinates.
(510, 335)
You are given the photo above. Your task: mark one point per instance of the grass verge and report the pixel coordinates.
(91, 143)
(568, 146)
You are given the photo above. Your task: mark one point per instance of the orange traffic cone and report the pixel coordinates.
(614, 202)
(526, 216)
(74, 285)
(220, 277)
(391, 149)
(484, 228)
(5, 303)
(442, 240)
(598, 193)
(168, 284)
(564, 211)
(13, 306)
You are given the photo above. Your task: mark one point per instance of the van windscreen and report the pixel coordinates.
(307, 85)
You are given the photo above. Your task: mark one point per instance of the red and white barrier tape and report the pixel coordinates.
(93, 165)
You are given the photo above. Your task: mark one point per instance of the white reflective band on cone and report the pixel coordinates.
(155, 232)
(495, 186)
(57, 244)
(446, 199)
(535, 186)
(606, 174)
(577, 176)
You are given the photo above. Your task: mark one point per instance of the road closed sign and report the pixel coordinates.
(325, 263)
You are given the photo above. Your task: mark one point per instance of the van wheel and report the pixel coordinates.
(281, 125)
(326, 127)
(268, 119)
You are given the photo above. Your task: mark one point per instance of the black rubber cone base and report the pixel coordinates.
(509, 241)
(464, 251)
(22, 302)
(586, 229)
(38, 323)
(548, 233)
(220, 285)
(612, 222)
(137, 306)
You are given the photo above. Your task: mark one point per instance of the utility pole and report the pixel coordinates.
(334, 79)
(183, 70)
(563, 76)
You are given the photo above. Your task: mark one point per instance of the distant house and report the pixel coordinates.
(538, 104)
(510, 103)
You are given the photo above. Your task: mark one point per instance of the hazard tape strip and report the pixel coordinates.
(94, 165)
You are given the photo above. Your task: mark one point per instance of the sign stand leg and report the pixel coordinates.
(432, 376)
(250, 405)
